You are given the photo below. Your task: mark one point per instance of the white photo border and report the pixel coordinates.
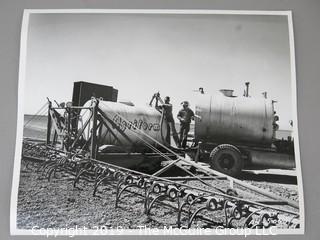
(20, 113)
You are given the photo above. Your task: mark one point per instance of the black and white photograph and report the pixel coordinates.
(157, 122)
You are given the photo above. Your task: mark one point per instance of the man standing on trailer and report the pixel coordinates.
(167, 111)
(185, 116)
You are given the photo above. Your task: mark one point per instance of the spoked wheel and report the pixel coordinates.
(226, 159)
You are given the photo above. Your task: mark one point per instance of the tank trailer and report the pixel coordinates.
(230, 133)
(233, 133)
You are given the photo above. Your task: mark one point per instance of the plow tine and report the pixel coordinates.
(98, 183)
(188, 202)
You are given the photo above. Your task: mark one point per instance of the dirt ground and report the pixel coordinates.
(58, 204)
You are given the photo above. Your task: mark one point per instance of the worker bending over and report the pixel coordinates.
(185, 116)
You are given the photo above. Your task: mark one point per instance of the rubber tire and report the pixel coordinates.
(233, 152)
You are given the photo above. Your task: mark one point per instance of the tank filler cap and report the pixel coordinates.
(227, 92)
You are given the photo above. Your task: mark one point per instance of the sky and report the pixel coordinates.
(140, 54)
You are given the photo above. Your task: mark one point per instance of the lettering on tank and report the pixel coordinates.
(135, 124)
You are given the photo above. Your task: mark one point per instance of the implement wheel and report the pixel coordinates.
(226, 159)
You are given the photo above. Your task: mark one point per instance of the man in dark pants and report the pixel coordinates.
(185, 116)
(167, 110)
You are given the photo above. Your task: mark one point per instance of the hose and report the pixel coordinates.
(161, 132)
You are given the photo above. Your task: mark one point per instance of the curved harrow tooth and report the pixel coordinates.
(190, 203)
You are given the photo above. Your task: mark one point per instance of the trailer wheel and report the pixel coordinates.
(226, 159)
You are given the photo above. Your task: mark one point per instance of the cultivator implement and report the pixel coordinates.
(73, 150)
(191, 204)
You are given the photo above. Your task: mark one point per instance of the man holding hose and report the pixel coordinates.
(166, 107)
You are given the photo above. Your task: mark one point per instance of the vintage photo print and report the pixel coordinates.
(157, 122)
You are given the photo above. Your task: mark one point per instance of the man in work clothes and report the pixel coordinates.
(167, 111)
(185, 116)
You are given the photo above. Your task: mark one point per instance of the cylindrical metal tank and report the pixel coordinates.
(128, 125)
(232, 119)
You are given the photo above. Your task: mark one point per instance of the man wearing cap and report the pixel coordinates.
(185, 116)
(167, 111)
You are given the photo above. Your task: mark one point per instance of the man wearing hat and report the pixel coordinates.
(185, 116)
